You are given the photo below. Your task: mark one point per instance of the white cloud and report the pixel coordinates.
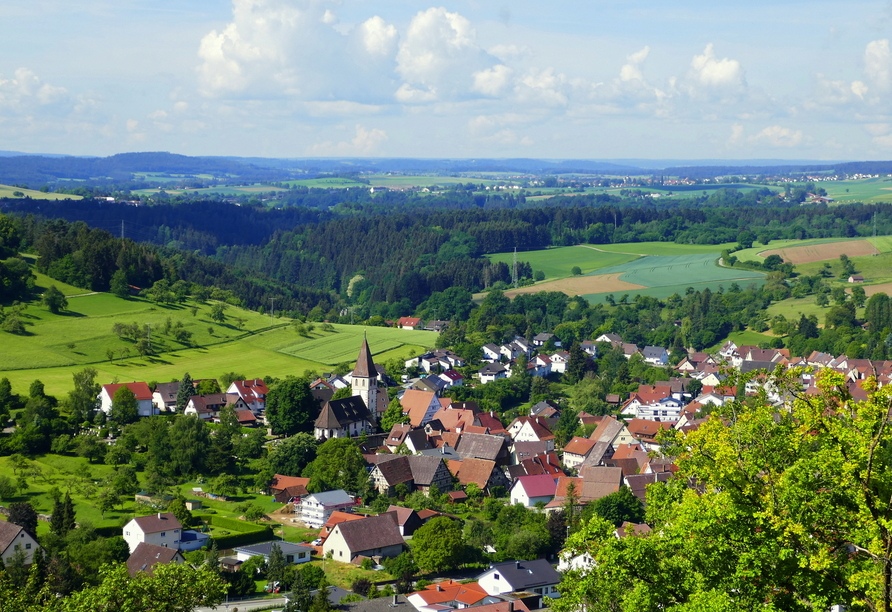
(493, 81)
(631, 71)
(712, 72)
(777, 136)
(736, 133)
(878, 62)
(25, 91)
(378, 37)
(365, 142)
(438, 57)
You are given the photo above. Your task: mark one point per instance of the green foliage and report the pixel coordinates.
(290, 406)
(437, 546)
(339, 464)
(617, 508)
(393, 415)
(54, 300)
(124, 409)
(290, 456)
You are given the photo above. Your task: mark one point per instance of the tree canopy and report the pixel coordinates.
(290, 406)
(791, 511)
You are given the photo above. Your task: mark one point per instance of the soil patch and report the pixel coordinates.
(581, 285)
(881, 288)
(823, 252)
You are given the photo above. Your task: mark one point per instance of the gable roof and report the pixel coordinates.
(395, 469)
(146, 556)
(415, 403)
(8, 533)
(579, 446)
(332, 498)
(153, 523)
(283, 482)
(526, 575)
(477, 471)
(373, 532)
(341, 413)
(480, 446)
(140, 389)
(539, 485)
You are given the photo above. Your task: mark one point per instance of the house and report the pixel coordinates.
(449, 595)
(409, 323)
(452, 378)
(543, 338)
(491, 352)
(531, 429)
(559, 361)
(253, 393)
(420, 406)
(491, 372)
(536, 576)
(288, 489)
(140, 390)
(208, 407)
(343, 418)
(162, 529)
(407, 519)
(147, 556)
(245, 418)
(14, 538)
(165, 396)
(316, 508)
(613, 431)
(480, 472)
(576, 451)
(482, 446)
(293, 553)
(530, 490)
(375, 536)
(856, 278)
(655, 355)
(417, 472)
(613, 339)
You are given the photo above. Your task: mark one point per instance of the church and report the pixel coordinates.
(360, 413)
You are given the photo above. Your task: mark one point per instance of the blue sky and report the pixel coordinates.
(678, 79)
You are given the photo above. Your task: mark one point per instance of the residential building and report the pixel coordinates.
(253, 393)
(162, 529)
(536, 576)
(343, 418)
(375, 537)
(293, 553)
(317, 507)
(144, 404)
(530, 490)
(420, 406)
(147, 556)
(14, 538)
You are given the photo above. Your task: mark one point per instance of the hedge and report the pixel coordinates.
(248, 533)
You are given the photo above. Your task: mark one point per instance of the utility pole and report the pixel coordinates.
(514, 269)
(272, 301)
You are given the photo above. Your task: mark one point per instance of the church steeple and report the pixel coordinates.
(365, 379)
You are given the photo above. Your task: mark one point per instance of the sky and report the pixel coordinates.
(564, 79)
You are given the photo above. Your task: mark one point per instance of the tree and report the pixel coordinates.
(23, 515)
(218, 313)
(617, 507)
(171, 587)
(859, 296)
(82, 399)
(124, 408)
(576, 271)
(8, 487)
(790, 512)
(320, 601)
(185, 391)
(107, 501)
(437, 546)
(89, 447)
(62, 520)
(290, 456)
(179, 509)
(227, 379)
(393, 415)
(578, 364)
(290, 406)
(54, 300)
(190, 443)
(338, 465)
(275, 566)
(118, 284)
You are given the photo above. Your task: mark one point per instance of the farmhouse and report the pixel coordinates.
(140, 390)
(375, 536)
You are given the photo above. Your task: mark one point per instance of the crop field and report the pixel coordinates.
(874, 268)
(665, 291)
(581, 285)
(664, 248)
(661, 271)
(222, 190)
(6, 191)
(822, 252)
(378, 180)
(861, 190)
(558, 263)
(793, 308)
(327, 182)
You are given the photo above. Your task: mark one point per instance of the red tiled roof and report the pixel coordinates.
(140, 389)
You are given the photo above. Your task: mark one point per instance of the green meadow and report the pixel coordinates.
(558, 262)
(673, 270)
(7, 191)
(664, 291)
(664, 248)
(56, 346)
(869, 190)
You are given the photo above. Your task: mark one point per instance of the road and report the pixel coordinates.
(247, 604)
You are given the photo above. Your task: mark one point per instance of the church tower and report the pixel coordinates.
(365, 380)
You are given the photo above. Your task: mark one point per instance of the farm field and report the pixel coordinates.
(59, 345)
(222, 190)
(874, 269)
(379, 180)
(329, 182)
(664, 248)
(822, 252)
(792, 308)
(661, 271)
(757, 253)
(861, 190)
(665, 291)
(6, 191)
(581, 285)
(558, 263)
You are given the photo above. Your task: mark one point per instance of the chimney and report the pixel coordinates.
(439, 588)
(395, 602)
(510, 606)
(517, 564)
(159, 516)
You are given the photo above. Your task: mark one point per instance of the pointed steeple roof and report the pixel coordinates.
(365, 367)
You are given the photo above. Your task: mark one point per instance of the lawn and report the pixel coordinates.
(559, 262)
(42, 283)
(6, 191)
(345, 574)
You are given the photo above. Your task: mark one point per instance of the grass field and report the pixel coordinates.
(742, 338)
(329, 182)
(42, 283)
(874, 269)
(860, 190)
(792, 308)
(665, 291)
(558, 263)
(222, 190)
(59, 345)
(670, 270)
(6, 191)
(664, 248)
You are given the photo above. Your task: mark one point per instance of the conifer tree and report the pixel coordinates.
(185, 391)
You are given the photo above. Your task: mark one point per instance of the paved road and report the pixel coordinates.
(247, 604)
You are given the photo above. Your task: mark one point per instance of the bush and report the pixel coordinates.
(361, 586)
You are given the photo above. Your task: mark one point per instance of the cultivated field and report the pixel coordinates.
(822, 252)
(222, 190)
(329, 182)
(581, 285)
(663, 248)
(661, 271)
(862, 190)
(6, 191)
(559, 262)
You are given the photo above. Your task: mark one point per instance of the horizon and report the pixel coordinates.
(320, 79)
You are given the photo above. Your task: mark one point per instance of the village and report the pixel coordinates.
(449, 448)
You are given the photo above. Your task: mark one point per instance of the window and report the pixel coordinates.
(538, 591)
(301, 555)
(163, 534)
(495, 576)
(28, 546)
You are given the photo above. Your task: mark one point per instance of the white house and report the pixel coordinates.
(491, 372)
(14, 538)
(535, 576)
(375, 536)
(529, 490)
(559, 361)
(293, 553)
(144, 398)
(162, 529)
(316, 508)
